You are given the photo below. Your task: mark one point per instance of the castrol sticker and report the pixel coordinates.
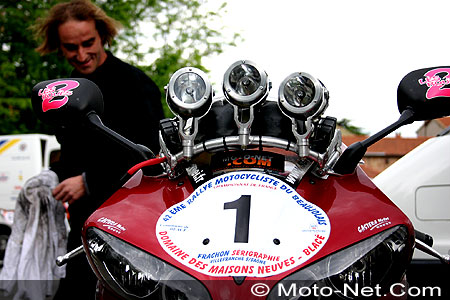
(243, 224)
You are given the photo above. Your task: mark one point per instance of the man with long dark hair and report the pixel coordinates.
(90, 163)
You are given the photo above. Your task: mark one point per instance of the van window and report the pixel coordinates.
(54, 157)
(43, 144)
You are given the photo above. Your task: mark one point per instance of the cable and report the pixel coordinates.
(150, 162)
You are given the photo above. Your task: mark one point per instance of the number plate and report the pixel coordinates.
(243, 224)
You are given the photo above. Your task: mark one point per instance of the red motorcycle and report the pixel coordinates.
(256, 197)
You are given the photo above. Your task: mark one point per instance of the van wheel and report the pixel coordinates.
(3, 243)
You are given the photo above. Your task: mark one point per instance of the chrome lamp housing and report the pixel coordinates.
(189, 97)
(189, 93)
(245, 86)
(302, 98)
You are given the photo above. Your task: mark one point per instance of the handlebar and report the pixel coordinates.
(427, 239)
(231, 141)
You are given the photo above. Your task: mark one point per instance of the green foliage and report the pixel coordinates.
(20, 66)
(17, 116)
(162, 68)
(180, 32)
(345, 124)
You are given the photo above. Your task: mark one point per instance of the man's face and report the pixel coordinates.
(81, 45)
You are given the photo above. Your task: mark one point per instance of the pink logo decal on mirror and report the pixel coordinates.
(436, 83)
(63, 92)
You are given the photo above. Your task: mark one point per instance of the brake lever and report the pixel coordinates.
(444, 258)
(63, 259)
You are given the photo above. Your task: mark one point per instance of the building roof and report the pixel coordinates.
(388, 146)
(445, 122)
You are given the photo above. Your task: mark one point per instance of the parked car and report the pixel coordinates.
(21, 157)
(419, 184)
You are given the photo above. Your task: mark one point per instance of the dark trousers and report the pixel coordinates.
(80, 281)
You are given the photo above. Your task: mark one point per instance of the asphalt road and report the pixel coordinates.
(424, 275)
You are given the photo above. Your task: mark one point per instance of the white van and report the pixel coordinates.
(21, 157)
(419, 184)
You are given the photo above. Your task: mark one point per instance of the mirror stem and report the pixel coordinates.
(97, 123)
(355, 152)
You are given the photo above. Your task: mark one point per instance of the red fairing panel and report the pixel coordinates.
(286, 229)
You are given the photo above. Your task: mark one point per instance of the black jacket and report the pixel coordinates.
(132, 108)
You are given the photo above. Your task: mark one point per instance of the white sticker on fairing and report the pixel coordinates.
(111, 225)
(243, 224)
(374, 224)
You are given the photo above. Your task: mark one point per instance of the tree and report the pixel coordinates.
(22, 67)
(345, 124)
(181, 35)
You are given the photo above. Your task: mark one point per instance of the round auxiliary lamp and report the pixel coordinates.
(302, 96)
(189, 93)
(244, 84)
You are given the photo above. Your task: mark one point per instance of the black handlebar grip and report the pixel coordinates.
(427, 239)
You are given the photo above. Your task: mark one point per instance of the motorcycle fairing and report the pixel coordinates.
(349, 202)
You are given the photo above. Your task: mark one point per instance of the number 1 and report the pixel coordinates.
(242, 206)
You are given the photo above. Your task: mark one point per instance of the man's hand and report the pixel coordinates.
(70, 190)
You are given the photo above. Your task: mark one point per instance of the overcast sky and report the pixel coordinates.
(359, 49)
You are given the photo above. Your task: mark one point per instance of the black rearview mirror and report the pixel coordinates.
(421, 95)
(426, 92)
(77, 101)
(66, 101)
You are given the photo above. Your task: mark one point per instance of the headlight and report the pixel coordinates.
(301, 96)
(376, 262)
(135, 274)
(244, 84)
(189, 93)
